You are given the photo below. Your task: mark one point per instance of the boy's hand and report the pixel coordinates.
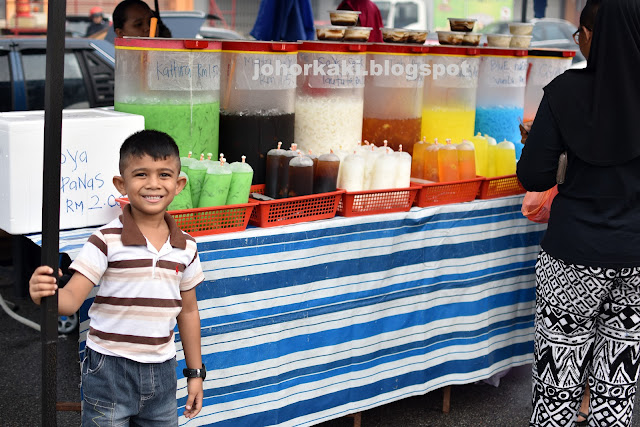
(194, 399)
(42, 283)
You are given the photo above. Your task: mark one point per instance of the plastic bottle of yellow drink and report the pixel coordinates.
(466, 160)
(430, 168)
(482, 156)
(448, 163)
(417, 162)
(491, 156)
(505, 158)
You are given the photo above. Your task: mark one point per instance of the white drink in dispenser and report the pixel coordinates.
(352, 173)
(384, 171)
(403, 169)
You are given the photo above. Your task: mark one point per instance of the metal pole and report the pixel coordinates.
(524, 11)
(53, 93)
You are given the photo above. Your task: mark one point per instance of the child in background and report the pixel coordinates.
(147, 270)
(132, 18)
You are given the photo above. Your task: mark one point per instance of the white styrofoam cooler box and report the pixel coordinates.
(91, 141)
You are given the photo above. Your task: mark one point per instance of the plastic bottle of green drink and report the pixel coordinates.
(185, 162)
(183, 198)
(216, 185)
(196, 172)
(240, 187)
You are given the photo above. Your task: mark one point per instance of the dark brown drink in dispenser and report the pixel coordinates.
(254, 135)
(272, 171)
(300, 176)
(325, 178)
(283, 174)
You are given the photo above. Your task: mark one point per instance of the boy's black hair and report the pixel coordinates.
(119, 16)
(588, 14)
(158, 145)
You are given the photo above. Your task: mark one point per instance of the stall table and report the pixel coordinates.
(314, 321)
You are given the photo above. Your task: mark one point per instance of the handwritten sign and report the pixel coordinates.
(332, 71)
(262, 71)
(545, 70)
(183, 71)
(395, 71)
(502, 71)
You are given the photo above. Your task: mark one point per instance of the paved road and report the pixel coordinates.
(20, 402)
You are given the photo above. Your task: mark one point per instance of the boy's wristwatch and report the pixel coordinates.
(195, 373)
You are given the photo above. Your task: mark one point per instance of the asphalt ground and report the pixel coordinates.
(478, 404)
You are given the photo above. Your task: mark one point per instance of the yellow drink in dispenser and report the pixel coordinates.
(448, 163)
(505, 158)
(430, 169)
(481, 146)
(466, 160)
(453, 123)
(417, 162)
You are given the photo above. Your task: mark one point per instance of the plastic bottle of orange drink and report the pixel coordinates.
(417, 161)
(466, 160)
(430, 168)
(448, 163)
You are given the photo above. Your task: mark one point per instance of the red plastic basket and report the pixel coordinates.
(356, 203)
(212, 220)
(500, 186)
(443, 193)
(293, 210)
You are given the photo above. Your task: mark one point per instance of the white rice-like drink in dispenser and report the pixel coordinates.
(352, 173)
(175, 85)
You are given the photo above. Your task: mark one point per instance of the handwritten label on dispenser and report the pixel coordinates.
(329, 70)
(545, 70)
(180, 71)
(85, 186)
(395, 71)
(262, 71)
(502, 71)
(453, 71)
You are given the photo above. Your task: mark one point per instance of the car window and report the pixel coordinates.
(34, 65)
(384, 7)
(406, 14)
(5, 82)
(547, 31)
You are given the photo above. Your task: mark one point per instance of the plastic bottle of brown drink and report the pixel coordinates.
(271, 174)
(283, 172)
(325, 178)
(300, 176)
(315, 160)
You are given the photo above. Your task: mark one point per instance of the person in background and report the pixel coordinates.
(539, 8)
(369, 16)
(588, 270)
(132, 18)
(98, 23)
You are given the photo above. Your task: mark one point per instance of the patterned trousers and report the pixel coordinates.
(587, 328)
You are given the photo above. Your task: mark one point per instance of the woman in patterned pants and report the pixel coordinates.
(588, 272)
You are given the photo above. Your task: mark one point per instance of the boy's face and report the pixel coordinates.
(150, 184)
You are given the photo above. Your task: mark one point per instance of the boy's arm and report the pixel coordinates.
(70, 298)
(189, 326)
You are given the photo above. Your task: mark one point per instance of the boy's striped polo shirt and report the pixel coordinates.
(134, 312)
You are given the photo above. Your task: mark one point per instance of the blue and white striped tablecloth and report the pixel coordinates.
(309, 322)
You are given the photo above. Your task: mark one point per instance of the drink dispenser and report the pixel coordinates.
(329, 95)
(544, 66)
(393, 95)
(257, 100)
(449, 101)
(175, 85)
(501, 84)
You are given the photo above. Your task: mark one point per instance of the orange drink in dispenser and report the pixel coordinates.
(430, 168)
(448, 163)
(466, 160)
(417, 162)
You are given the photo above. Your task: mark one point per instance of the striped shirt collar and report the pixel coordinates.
(132, 236)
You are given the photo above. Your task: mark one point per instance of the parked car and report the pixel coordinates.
(410, 14)
(89, 67)
(547, 33)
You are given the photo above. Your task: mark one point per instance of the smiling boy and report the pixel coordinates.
(147, 270)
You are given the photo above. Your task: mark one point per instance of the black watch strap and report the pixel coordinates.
(195, 373)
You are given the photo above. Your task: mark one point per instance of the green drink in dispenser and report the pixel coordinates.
(175, 85)
(215, 187)
(182, 200)
(196, 173)
(240, 187)
(505, 158)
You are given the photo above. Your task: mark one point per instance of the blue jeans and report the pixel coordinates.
(120, 392)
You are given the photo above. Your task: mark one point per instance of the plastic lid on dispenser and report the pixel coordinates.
(199, 164)
(328, 157)
(219, 168)
(301, 161)
(241, 167)
(276, 151)
(506, 145)
(490, 140)
(466, 146)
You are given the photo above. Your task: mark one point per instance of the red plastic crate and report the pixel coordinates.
(356, 203)
(212, 220)
(500, 186)
(293, 210)
(442, 193)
